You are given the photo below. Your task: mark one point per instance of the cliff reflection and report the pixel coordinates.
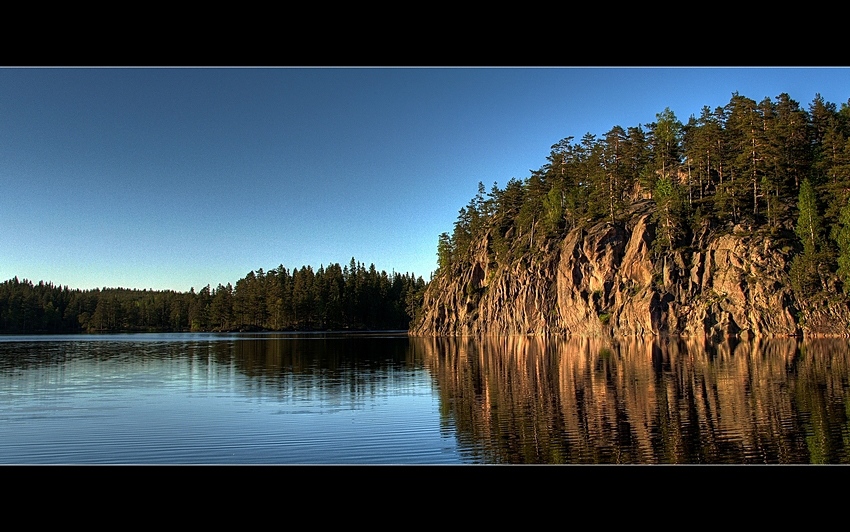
(592, 400)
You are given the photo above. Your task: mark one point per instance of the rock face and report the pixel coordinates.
(606, 280)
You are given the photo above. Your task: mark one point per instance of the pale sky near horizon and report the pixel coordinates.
(173, 178)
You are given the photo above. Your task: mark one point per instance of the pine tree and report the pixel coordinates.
(808, 221)
(744, 128)
(665, 139)
(841, 235)
(613, 160)
(444, 252)
(791, 147)
(668, 213)
(806, 268)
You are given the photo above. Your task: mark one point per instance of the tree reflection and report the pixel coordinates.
(524, 399)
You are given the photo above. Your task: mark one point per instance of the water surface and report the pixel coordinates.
(218, 399)
(384, 398)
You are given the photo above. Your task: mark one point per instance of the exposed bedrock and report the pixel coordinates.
(606, 280)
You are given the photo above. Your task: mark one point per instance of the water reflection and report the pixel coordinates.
(357, 367)
(336, 398)
(591, 400)
(250, 399)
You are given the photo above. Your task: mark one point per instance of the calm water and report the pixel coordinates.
(382, 398)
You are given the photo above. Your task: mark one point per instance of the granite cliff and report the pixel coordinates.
(605, 279)
(734, 223)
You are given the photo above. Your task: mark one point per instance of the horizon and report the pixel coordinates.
(179, 178)
(213, 288)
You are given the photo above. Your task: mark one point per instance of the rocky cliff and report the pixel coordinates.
(605, 279)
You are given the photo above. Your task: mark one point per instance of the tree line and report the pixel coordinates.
(333, 297)
(769, 166)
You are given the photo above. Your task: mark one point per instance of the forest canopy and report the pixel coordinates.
(332, 297)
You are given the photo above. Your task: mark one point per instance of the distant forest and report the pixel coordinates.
(332, 298)
(771, 167)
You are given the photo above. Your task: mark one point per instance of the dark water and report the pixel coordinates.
(382, 398)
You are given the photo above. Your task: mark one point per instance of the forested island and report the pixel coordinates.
(333, 297)
(736, 222)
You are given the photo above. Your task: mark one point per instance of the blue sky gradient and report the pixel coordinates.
(172, 178)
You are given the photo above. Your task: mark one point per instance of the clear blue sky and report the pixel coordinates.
(171, 178)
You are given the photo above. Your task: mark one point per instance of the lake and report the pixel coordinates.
(384, 398)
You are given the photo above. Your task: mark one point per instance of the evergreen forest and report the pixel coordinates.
(770, 167)
(333, 297)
